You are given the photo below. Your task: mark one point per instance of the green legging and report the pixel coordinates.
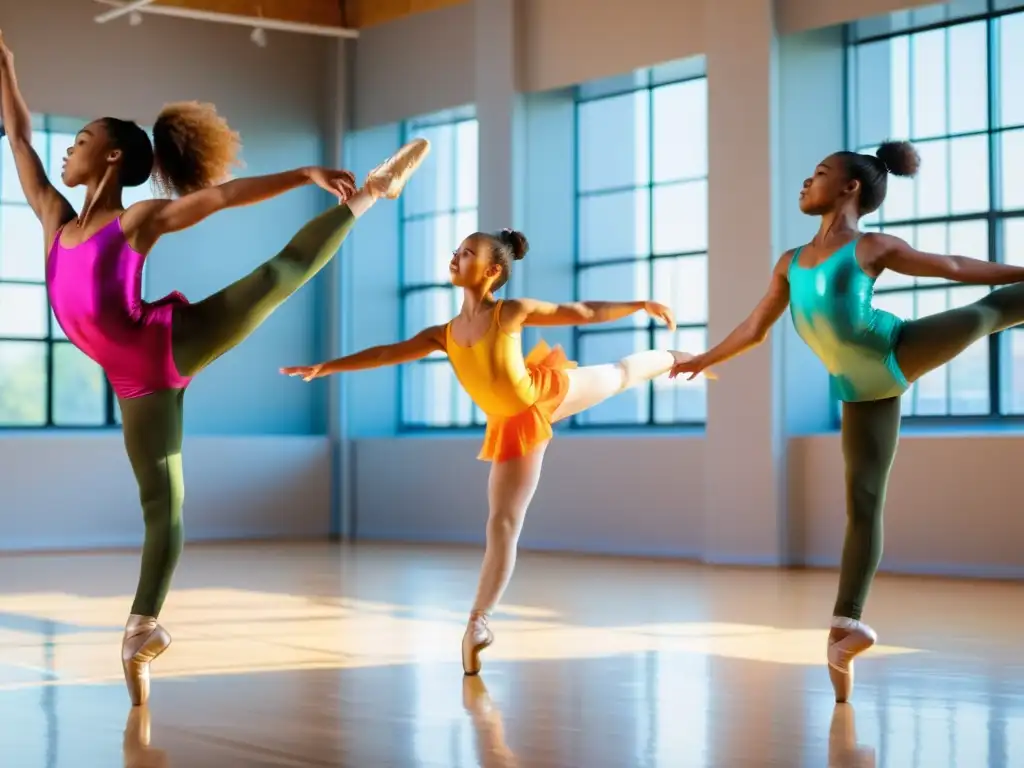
(871, 430)
(201, 333)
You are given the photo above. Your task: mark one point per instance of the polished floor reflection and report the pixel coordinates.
(317, 655)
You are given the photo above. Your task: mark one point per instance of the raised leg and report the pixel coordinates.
(870, 437)
(207, 329)
(593, 384)
(152, 428)
(510, 490)
(932, 341)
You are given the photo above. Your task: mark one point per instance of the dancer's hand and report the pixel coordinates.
(690, 364)
(5, 53)
(661, 312)
(307, 372)
(341, 184)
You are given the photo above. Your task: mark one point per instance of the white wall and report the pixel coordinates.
(764, 485)
(257, 461)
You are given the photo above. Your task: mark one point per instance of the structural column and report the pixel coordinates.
(499, 115)
(334, 284)
(745, 510)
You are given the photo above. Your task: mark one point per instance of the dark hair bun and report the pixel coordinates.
(516, 241)
(900, 157)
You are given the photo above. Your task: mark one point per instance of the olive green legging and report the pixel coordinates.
(871, 430)
(201, 333)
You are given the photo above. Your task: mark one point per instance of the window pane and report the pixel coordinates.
(899, 303)
(618, 282)
(682, 284)
(427, 307)
(22, 383)
(59, 143)
(1010, 173)
(969, 174)
(1011, 65)
(968, 77)
(10, 188)
(1013, 242)
(465, 225)
(1013, 365)
(882, 112)
(931, 238)
(614, 226)
(428, 245)
(79, 391)
(968, 238)
(612, 142)
(678, 400)
(22, 250)
(432, 396)
(432, 188)
(466, 162)
(23, 311)
(629, 407)
(56, 331)
(681, 217)
(680, 131)
(932, 180)
(928, 62)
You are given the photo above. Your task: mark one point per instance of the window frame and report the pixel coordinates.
(47, 126)
(690, 72)
(993, 216)
(408, 130)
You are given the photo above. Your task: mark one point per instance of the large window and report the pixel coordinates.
(44, 379)
(438, 209)
(642, 229)
(947, 78)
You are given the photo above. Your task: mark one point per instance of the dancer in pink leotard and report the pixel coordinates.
(150, 351)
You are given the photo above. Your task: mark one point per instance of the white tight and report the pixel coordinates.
(512, 483)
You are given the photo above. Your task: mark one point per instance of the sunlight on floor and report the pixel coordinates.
(59, 639)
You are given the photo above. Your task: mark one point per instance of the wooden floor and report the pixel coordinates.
(314, 655)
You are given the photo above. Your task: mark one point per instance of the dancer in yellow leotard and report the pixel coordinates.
(522, 397)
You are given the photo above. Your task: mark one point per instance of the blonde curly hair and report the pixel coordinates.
(193, 148)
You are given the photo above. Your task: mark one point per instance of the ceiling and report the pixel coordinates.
(354, 14)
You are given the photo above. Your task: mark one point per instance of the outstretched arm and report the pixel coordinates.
(517, 313)
(155, 218)
(888, 252)
(46, 202)
(753, 330)
(416, 348)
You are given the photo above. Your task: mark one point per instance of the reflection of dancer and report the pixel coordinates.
(873, 356)
(137, 732)
(521, 398)
(150, 352)
(491, 749)
(843, 749)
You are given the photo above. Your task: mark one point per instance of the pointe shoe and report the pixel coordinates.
(478, 636)
(390, 177)
(136, 662)
(845, 644)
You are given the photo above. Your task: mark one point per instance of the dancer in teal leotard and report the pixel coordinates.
(872, 355)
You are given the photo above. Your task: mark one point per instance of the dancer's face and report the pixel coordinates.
(827, 188)
(472, 264)
(89, 155)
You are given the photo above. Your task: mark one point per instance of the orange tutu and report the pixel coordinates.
(509, 437)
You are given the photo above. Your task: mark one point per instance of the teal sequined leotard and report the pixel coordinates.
(831, 308)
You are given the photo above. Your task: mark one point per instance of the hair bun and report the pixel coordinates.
(899, 157)
(516, 241)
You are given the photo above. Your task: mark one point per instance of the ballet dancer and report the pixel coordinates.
(872, 355)
(151, 351)
(521, 397)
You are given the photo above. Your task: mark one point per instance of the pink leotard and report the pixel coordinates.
(95, 289)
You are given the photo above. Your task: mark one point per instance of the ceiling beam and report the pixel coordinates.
(360, 14)
(282, 15)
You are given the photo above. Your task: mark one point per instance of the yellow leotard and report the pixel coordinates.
(519, 395)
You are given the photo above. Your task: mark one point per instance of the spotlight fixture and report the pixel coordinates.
(259, 37)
